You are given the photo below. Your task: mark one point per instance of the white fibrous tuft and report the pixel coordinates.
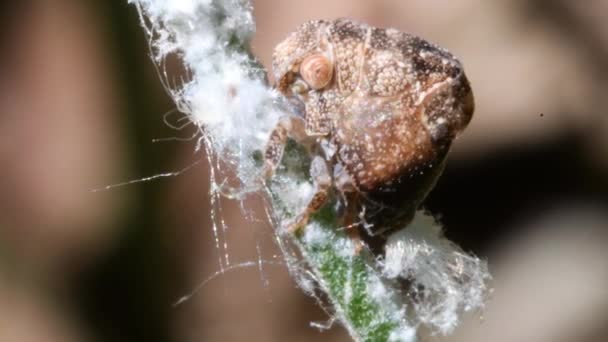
(402, 334)
(226, 94)
(445, 281)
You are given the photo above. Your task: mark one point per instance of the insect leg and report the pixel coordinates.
(322, 181)
(350, 219)
(288, 126)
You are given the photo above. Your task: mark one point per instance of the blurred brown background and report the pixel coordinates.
(80, 103)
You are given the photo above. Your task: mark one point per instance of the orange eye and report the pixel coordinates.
(317, 71)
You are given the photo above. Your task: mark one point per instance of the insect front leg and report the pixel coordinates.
(322, 182)
(287, 127)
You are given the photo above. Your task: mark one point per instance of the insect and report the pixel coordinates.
(378, 110)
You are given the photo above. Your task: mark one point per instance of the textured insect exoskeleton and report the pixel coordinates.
(379, 109)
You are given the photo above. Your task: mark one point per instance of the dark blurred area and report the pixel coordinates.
(526, 186)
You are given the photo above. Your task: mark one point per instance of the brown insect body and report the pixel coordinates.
(386, 117)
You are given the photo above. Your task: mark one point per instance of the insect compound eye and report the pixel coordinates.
(317, 71)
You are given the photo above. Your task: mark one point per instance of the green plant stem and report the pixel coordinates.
(368, 306)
